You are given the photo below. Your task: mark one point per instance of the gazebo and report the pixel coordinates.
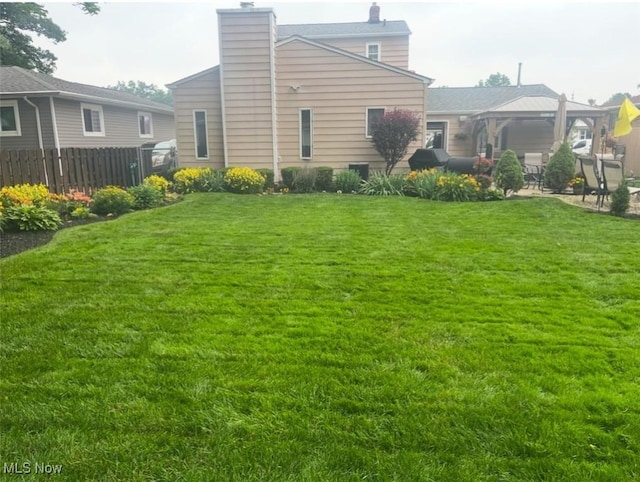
(526, 124)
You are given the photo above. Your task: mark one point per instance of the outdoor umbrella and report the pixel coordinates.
(559, 128)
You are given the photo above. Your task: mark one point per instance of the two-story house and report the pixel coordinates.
(295, 95)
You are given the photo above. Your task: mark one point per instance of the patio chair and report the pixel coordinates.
(533, 169)
(612, 176)
(593, 182)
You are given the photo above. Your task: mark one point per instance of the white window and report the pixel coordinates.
(92, 120)
(200, 134)
(373, 52)
(373, 114)
(10, 118)
(437, 135)
(145, 127)
(306, 133)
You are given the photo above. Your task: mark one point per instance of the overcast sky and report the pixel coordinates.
(585, 50)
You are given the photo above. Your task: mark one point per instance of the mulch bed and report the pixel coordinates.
(18, 241)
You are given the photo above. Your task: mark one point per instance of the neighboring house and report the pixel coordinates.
(41, 111)
(295, 95)
(580, 131)
(631, 141)
(520, 118)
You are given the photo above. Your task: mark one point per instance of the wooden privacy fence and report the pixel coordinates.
(76, 168)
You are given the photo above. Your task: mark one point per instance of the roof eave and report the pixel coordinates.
(119, 103)
(191, 77)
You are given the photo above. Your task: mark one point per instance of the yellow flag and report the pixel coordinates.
(627, 113)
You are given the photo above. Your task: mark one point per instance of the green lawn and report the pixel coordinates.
(327, 337)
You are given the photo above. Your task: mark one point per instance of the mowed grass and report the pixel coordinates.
(327, 337)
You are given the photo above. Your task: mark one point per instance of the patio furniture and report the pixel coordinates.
(533, 169)
(593, 182)
(612, 176)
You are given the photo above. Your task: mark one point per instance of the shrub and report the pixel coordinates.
(392, 133)
(456, 187)
(268, 178)
(158, 182)
(243, 180)
(423, 183)
(324, 178)
(25, 194)
(66, 204)
(620, 199)
(82, 212)
(380, 184)
(490, 195)
(212, 181)
(288, 174)
(508, 172)
(560, 168)
(348, 181)
(111, 200)
(191, 179)
(304, 180)
(30, 217)
(146, 196)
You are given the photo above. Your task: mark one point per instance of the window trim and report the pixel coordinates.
(97, 108)
(150, 134)
(195, 134)
(310, 132)
(366, 119)
(366, 51)
(16, 113)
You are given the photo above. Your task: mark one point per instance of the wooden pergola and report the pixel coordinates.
(538, 108)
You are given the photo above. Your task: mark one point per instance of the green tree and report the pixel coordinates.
(617, 98)
(560, 169)
(142, 89)
(392, 133)
(591, 102)
(16, 45)
(509, 175)
(495, 80)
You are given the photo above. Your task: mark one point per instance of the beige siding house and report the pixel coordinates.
(295, 95)
(43, 112)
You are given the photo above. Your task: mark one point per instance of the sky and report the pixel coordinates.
(586, 50)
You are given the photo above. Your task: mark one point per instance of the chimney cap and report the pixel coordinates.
(246, 4)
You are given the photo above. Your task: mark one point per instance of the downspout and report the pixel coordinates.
(225, 148)
(38, 123)
(56, 139)
(274, 114)
(40, 143)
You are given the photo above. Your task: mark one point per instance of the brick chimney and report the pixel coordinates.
(374, 13)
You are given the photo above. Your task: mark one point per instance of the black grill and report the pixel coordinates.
(439, 158)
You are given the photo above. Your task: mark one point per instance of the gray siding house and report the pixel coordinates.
(38, 111)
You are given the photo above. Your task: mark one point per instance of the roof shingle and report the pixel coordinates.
(16, 80)
(478, 99)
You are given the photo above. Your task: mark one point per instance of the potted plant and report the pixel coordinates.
(577, 184)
